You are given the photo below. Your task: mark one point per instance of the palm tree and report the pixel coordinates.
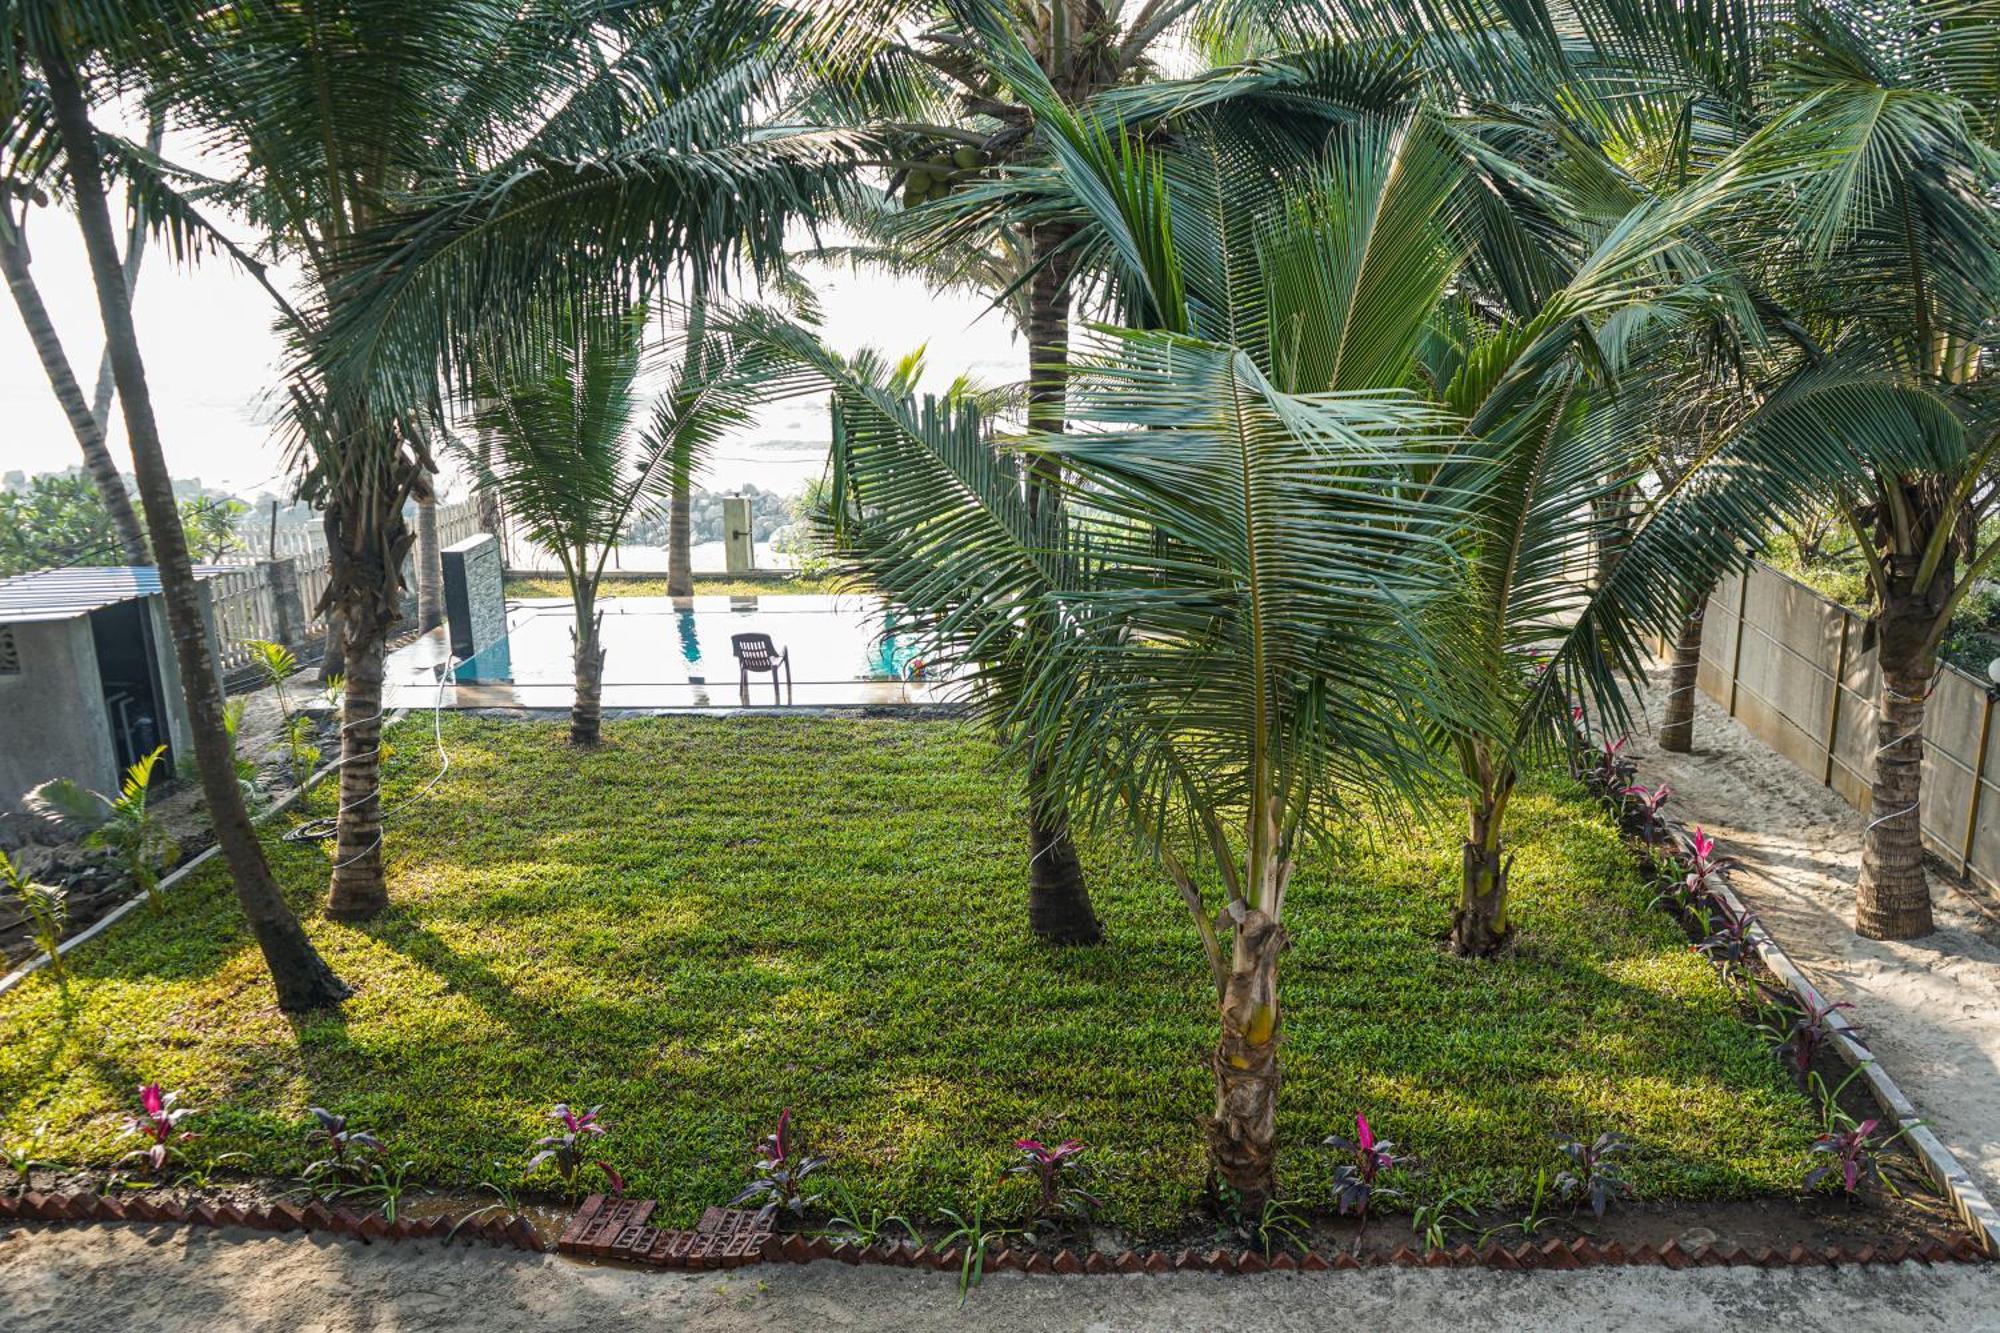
(53, 42)
(1239, 582)
(1343, 287)
(86, 425)
(444, 172)
(1886, 248)
(1875, 248)
(1699, 407)
(27, 157)
(561, 450)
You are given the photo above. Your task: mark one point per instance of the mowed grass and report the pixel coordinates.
(710, 920)
(705, 585)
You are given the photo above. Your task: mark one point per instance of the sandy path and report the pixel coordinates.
(165, 1280)
(1931, 1007)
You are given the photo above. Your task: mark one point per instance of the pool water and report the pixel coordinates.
(675, 652)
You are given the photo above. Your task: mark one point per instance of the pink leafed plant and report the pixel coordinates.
(158, 1121)
(1053, 1169)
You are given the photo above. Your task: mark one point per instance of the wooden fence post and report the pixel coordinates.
(1833, 708)
(1978, 768)
(1736, 658)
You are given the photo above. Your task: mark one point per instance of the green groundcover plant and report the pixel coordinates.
(711, 919)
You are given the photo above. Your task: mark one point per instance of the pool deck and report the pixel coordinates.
(666, 655)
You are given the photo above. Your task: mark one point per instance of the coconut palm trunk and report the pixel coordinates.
(680, 478)
(1059, 909)
(586, 715)
(333, 651)
(1242, 1132)
(367, 541)
(87, 426)
(1894, 902)
(1683, 672)
(486, 500)
(303, 980)
(358, 889)
(1481, 926)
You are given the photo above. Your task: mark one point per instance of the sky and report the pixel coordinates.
(212, 357)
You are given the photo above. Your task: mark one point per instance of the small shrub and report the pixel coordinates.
(20, 1160)
(1798, 1033)
(1729, 943)
(1706, 870)
(1646, 807)
(158, 1121)
(1054, 1171)
(1854, 1157)
(276, 664)
(865, 1225)
(246, 768)
(382, 1186)
(46, 907)
(781, 1173)
(1611, 770)
(1435, 1219)
(121, 825)
(566, 1152)
(302, 750)
(1356, 1184)
(1538, 1215)
(347, 1162)
(973, 1237)
(1595, 1174)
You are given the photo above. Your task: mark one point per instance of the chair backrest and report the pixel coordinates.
(755, 651)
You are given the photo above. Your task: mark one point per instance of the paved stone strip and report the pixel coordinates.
(617, 1229)
(510, 1232)
(728, 1238)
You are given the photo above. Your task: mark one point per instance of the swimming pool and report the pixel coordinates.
(675, 653)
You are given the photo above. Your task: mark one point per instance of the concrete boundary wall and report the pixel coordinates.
(1799, 671)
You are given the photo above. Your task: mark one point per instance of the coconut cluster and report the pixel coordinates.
(942, 174)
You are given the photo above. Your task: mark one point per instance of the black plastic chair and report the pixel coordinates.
(756, 652)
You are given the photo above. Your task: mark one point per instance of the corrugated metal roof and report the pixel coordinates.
(64, 594)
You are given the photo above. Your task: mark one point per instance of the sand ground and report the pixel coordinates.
(167, 1280)
(1930, 1007)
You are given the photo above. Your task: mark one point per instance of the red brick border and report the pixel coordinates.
(509, 1232)
(724, 1238)
(730, 1238)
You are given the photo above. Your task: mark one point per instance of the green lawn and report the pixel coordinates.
(710, 920)
(705, 585)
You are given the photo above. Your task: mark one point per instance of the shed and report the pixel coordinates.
(88, 677)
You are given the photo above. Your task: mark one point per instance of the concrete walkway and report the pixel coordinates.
(1930, 1008)
(165, 1280)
